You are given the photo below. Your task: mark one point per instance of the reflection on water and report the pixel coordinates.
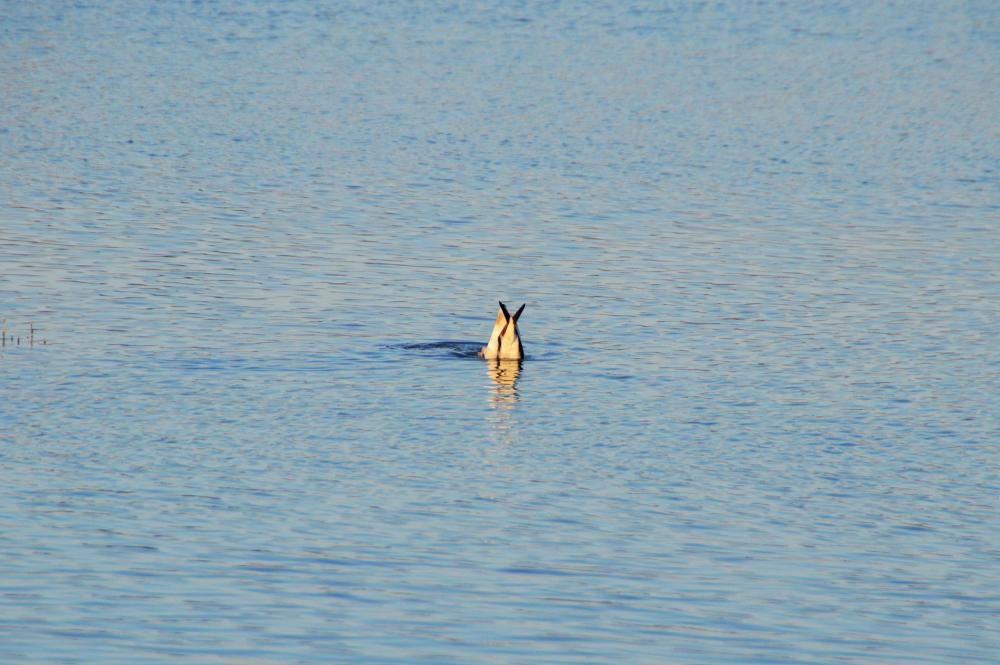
(504, 374)
(503, 398)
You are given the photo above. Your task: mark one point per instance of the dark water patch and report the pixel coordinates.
(535, 571)
(442, 349)
(465, 350)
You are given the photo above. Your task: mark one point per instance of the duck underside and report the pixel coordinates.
(505, 340)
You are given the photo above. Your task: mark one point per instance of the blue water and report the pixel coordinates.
(248, 250)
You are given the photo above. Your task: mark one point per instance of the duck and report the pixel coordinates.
(505, 341)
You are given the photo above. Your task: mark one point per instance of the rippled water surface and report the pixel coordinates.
(248, 251)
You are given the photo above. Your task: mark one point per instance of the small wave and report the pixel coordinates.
(445, 348)
(459, 349)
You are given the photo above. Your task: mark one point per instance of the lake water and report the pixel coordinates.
(245, 249)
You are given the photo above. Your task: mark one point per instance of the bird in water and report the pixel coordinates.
(505, 342)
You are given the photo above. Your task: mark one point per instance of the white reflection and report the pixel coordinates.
(503, 399)
(504, 374)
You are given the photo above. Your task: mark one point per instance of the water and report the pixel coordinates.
(760, 250)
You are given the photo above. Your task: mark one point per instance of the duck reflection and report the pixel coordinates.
(504, 374)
